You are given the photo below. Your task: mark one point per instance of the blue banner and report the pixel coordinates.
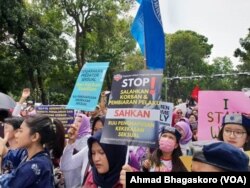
(88, 86)
(148, 32)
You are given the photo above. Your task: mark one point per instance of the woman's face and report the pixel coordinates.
(23, 137)
(179, 114)
(181, 131)
(78, 121)
(192, 119)
(235, 135)
(195, 112)
(98, 126)
(9, 129)
(99, 158)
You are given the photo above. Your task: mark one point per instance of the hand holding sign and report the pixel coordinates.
(125, 168)
(146, 163)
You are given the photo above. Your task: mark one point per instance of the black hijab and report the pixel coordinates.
(116, 155)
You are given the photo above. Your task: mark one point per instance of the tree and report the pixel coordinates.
(186, 54)
(34, 30)
(101, 32)
(220, 66)
(93, 16)
(244, 55)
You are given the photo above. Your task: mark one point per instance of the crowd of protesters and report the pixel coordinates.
(35, 153)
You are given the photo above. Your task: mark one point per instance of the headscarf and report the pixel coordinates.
(116, 156)
(84, 128)
(187, 131)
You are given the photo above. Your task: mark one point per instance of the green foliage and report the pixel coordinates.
(34, 52)
(186, 53)
(244, 55)
(33, 33)
(220, 65)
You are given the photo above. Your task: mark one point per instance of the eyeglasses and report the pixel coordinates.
(179, 112)
(237, 134)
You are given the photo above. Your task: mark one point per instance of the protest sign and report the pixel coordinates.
(166, 111)
(88, 86)
(133, 109)
(213, 105)
(66, 116)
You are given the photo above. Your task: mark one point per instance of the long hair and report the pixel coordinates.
(51, 132)
(177, 164)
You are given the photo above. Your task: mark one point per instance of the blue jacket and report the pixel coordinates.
(36, 172)
(12, 159)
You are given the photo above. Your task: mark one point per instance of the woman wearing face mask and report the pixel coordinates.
(166, 157)
(235, 130)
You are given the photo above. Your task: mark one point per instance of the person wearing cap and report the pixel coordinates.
(220, 157)
(166, 157)
(163, 159)
(235, 130)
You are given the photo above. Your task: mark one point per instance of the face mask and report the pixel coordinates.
(166, 144)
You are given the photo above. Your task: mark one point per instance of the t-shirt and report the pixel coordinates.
(165, 166)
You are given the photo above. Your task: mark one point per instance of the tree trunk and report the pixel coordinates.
(40, 85)
(77, 49)
(32, 78)
(109, 80)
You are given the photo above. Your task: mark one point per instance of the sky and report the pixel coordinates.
(223, 22)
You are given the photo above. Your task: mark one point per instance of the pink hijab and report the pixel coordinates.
(187, 131)
(84, 128)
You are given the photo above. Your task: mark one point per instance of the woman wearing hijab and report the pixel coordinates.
(74, 166)
(82, 123)
(186, 136)
(106, 161)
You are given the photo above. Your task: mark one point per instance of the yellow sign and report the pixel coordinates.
(187, 161)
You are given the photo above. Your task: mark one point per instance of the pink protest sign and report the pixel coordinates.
(213, 105)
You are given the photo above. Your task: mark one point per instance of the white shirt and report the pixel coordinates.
(73, 166)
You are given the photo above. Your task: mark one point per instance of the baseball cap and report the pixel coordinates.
(224, 156)
(174, 131)
(238, 119)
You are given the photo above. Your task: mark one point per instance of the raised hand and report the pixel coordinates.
(72, 133)
(25, 94)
